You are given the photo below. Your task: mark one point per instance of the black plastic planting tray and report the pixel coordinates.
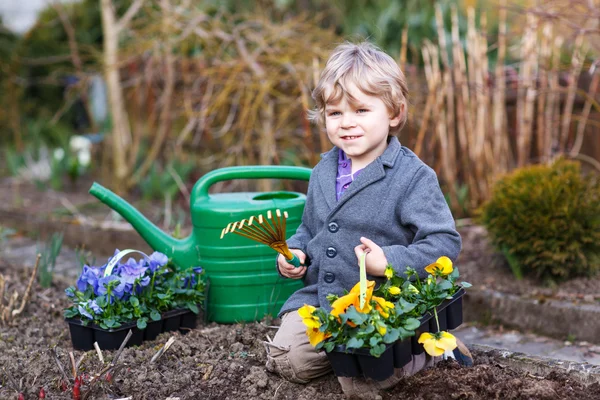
(84, 336)
(359, 362)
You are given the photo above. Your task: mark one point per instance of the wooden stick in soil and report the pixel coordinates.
(110, 367)
(114, 361)
(28, 290)
(99, 352)
(7, 310)
(73, 364)
(163, 349)
(60, 367)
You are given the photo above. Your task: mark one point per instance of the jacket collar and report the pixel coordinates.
(371, 173)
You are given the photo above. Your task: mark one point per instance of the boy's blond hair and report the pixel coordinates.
(373, 72)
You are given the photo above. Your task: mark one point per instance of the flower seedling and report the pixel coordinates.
(388, 313)
(135, 290)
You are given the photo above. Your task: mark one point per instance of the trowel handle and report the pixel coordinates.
(249, 172)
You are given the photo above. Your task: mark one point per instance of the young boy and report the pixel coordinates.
(368, 194)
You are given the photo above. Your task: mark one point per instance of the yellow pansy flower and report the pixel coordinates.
(394, 290)
(383, 306)
(381, 328)
(443, 266)
(352, 298)
(436, 344)
(309, 320)
(315, 336)
(389, 272)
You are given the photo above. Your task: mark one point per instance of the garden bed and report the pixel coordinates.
(224, 362)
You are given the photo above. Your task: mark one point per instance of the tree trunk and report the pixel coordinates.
(121, 134)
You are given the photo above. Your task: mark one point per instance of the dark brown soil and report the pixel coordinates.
(227, 361)
(220, 362)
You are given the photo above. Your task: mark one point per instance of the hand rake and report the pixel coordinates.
(270, 231)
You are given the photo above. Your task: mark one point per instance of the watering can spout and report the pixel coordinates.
(178, 250)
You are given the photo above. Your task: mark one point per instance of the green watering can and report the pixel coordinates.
(244, 283)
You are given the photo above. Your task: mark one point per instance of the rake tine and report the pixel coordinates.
(280, 224)
(255, 230)
(225, 230)
(283, 223)
(267, 224)
(244, 234)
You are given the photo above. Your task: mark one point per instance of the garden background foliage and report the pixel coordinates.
(546, 220)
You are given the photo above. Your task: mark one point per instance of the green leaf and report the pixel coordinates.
(71, 312)
(155, 315)
(404, 307)
(454, 274)
(445, 285)
(141, 323)
(193, 308)
(411, 324)
(465, 285)
(111, 322)
(391, 336)
(329, 346)
(374, 341)
(355, 316)
(134, 301)
(378, 350)
(355, 343)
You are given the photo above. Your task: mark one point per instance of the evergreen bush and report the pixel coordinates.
(546, 221)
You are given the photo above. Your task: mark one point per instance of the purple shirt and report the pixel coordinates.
(344, 174)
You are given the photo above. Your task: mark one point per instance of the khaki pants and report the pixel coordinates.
(292, 356)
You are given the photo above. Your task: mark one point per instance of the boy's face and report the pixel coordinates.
(360, 129)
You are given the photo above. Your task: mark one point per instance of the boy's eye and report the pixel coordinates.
(333, 113)
(362, 110)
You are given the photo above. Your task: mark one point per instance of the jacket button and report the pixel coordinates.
(331, 252)
(329, 277)
(333, 227)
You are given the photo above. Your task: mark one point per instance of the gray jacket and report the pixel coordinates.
(396, 201)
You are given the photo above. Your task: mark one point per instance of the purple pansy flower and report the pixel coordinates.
(94, 306)
(84, 312)
(89, 277)
(131, 271)
(118, 291)
(157, 260)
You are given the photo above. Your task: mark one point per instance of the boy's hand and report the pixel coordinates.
(375, 261)
(288, 270)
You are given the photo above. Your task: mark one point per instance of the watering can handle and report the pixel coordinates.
(249, 172)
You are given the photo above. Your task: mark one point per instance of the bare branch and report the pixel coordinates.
(129, 14)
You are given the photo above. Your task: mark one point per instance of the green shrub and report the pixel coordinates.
(546, 220)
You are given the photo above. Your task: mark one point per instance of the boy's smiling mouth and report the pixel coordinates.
(351, 137)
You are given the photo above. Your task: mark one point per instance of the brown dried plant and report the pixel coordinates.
(479, 133)
(9, 311)
(224, 89)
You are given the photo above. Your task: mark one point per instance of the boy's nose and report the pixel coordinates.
(348, 120)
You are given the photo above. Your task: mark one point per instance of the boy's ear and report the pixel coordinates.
(395, 121)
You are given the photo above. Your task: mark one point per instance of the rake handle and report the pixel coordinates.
(294, 261)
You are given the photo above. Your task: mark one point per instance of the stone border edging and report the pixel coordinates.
(584, 373)
(553, 318)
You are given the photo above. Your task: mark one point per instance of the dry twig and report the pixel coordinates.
(163, 349)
